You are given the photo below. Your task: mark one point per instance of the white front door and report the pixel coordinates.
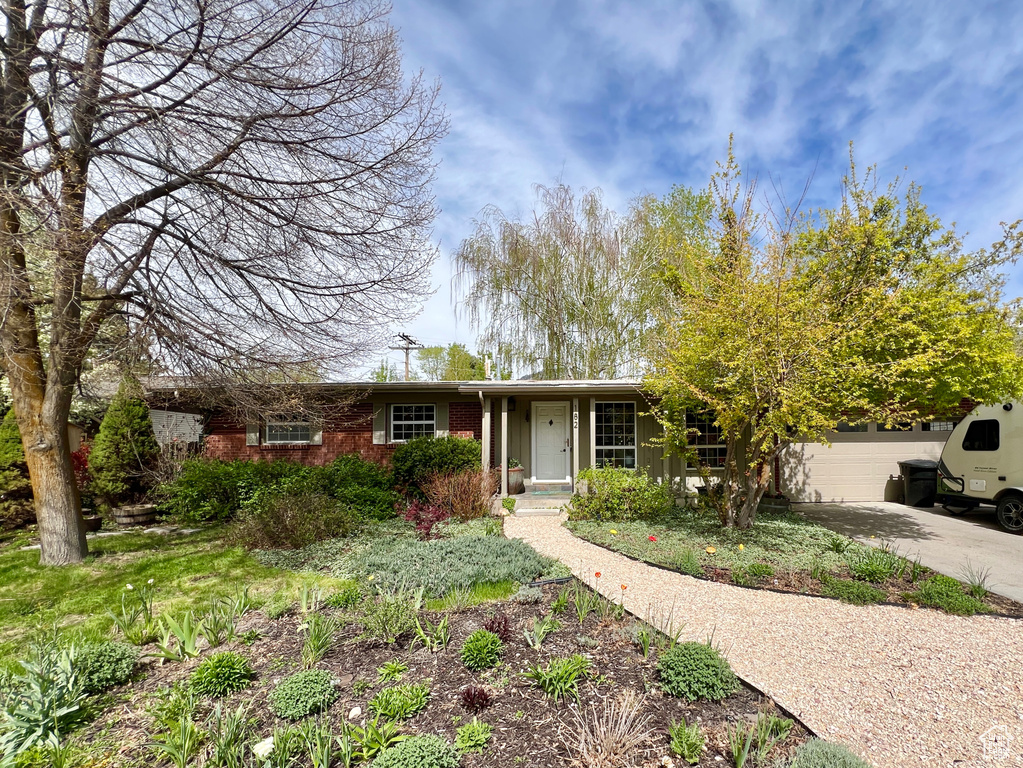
(551, 450)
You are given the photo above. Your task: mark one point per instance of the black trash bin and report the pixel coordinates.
(920, 477)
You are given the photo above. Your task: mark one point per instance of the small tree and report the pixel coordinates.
(451, 363)
(778, 329)
(125, 449)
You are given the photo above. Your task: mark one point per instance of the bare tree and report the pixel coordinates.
(246, 182)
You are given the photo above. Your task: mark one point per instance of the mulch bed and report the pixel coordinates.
(528, 726)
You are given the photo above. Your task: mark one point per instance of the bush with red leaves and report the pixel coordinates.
(475, 698)
(424, 517)
(499, 625)
(80, 464)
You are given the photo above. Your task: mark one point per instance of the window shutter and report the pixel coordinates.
(252, 433)
(441, 426)
(380, 426)
(316, 434)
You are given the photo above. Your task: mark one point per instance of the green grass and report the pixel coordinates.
(786, 542)
(477, 594)
(186, 571)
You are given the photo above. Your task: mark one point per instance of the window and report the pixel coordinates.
(844, 426)
(285, 432)
(411, 421)
(982, 435)
(705, 436)
(938, 426)
(616, 435)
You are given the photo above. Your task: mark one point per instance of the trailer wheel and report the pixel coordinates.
(1010, 513)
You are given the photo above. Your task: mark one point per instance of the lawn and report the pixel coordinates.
(187, 571)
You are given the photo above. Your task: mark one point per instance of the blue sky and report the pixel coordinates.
(636, 97)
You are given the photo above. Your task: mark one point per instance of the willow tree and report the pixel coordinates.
(778, 328)
(245, 183)
(567, 294)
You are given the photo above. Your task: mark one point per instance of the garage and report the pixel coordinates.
(858, 463)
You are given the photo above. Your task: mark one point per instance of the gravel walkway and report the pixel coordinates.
(903, 688)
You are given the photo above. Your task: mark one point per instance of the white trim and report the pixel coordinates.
(289, 423)
(635, 432)
(390, 419)
(567, 478)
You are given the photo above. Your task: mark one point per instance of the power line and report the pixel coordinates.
(407, 348)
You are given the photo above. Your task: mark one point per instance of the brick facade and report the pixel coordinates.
(351, 434)
(466, 420)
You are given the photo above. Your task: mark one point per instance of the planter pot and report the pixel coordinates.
(516, 481)
(92, 523)
(137, 514)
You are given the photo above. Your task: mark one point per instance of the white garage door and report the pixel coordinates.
(855, 467)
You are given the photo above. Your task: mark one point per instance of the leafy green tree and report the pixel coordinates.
(451, 363)
(386, 372)
(125, 449)
(778, 328)
(15, 487)
(567, 294)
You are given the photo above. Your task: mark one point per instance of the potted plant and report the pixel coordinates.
(516, 481)
(774, 504)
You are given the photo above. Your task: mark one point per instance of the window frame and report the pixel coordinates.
(391, 421)
(287, 422)
(598, 447)
(718, 446)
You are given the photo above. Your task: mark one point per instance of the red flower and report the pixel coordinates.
(653, 538)
(597, 574)
(624, 587)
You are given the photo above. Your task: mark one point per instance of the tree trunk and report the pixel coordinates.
(43, 425)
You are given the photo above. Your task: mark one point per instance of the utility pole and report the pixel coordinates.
(407, 348)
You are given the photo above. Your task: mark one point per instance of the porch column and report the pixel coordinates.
(575, 441)
(486, 433)
(593, 432)
(504, 447)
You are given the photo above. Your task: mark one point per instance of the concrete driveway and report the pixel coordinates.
(942, 542)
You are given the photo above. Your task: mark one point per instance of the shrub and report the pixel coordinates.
(616, 494)
(303, 693)
(528, 595)
(473, 736)
(876, 564)
(500, 625)
(946, 593)
(105, 664)
(560, 678)
(465, 495)
(45, 701)
(211, 489)
(695, 671)
(125, 449)
(419, 752)
(391, 615)
(441, 566)
(474, 698)
(418, 460)
(816, 753)
(221, 675)
(855, 592)
(481, 650)
(425, 517)
(687, 741)
(612, 736)
(293, 520)
(345, 598)
(400, 702)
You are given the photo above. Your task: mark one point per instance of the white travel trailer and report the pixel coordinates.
(982, 463)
